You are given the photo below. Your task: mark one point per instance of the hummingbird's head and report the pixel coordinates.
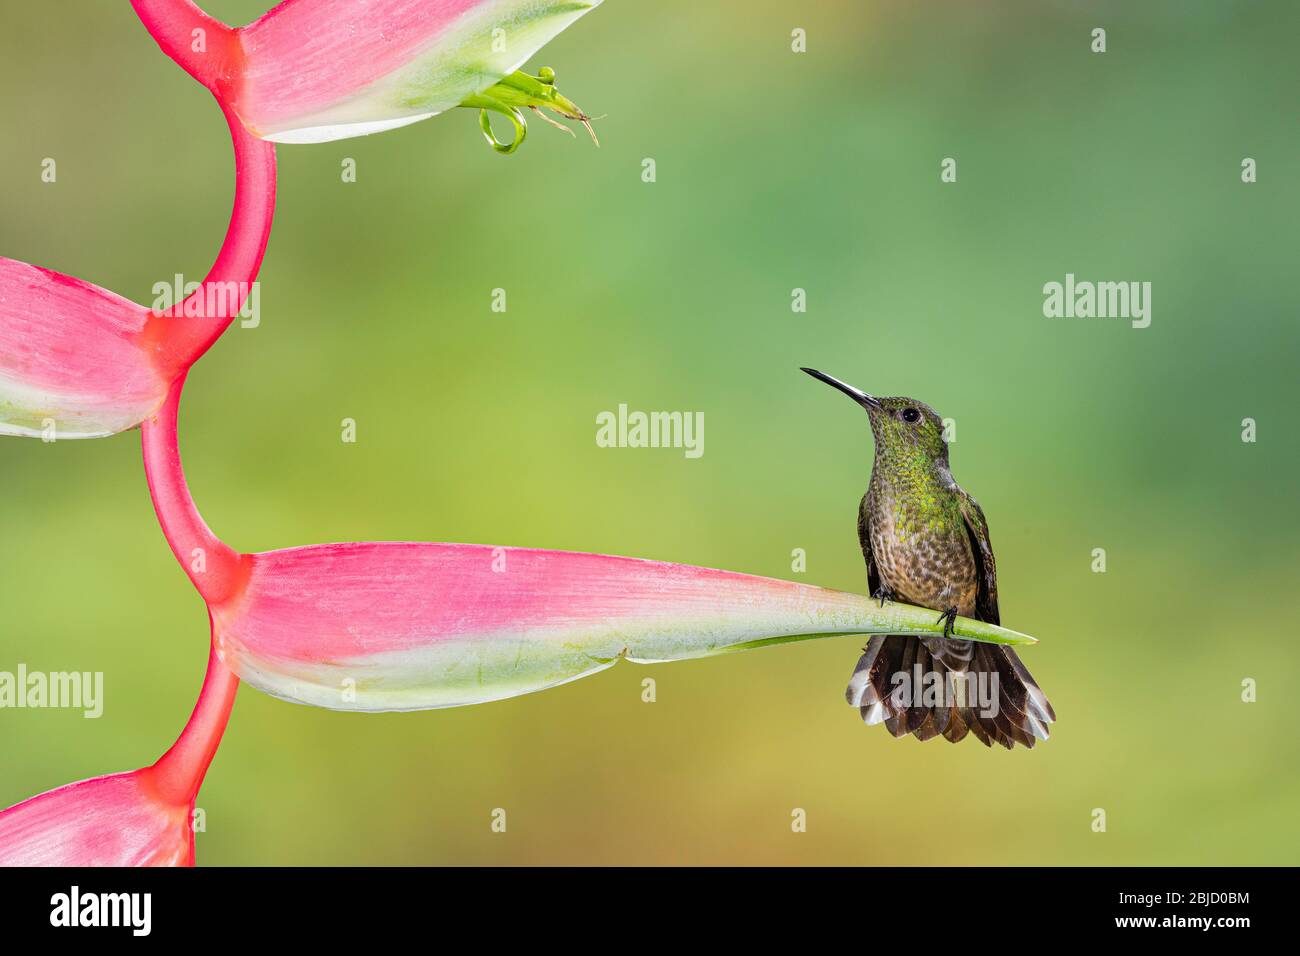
(901, 426)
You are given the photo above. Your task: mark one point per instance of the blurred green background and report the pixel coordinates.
(775, 170)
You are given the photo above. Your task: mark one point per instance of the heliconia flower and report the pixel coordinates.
(403, 626)
(142, 818)
(78, 361)
(316, 70)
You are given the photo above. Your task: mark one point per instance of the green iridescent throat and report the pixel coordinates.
(520, 91)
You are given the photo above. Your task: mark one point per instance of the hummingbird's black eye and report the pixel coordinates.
(911, 416)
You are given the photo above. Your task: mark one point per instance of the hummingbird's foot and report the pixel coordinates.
(883, 594)
(949, 617)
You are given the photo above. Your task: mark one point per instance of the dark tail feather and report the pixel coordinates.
(1018, 713)
(869, 686)
(957, 727)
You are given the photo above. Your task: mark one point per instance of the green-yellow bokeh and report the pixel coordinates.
(775, 170)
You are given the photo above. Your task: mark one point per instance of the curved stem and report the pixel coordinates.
(205, 48)
(178, 339)
(515, 117)
(216, 569)
(179, 772)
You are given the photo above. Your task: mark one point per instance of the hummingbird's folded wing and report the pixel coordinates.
(986, 569)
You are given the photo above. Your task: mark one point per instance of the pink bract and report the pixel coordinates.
(316, 70)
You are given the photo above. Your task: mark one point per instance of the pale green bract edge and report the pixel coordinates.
(454, 672)
(32, 413)
(459, 63)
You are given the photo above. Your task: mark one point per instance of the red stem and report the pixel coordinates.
(173, 24)
(179, 772)
(180, 337)
(209, 51)
(216, 570)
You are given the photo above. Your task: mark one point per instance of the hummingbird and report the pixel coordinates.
(926, 542)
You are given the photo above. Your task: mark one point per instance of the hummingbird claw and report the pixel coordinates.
(883, 594)
(948, 617)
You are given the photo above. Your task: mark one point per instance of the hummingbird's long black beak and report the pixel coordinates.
(857, 394)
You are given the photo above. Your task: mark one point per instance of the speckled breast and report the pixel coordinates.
(924, 556)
